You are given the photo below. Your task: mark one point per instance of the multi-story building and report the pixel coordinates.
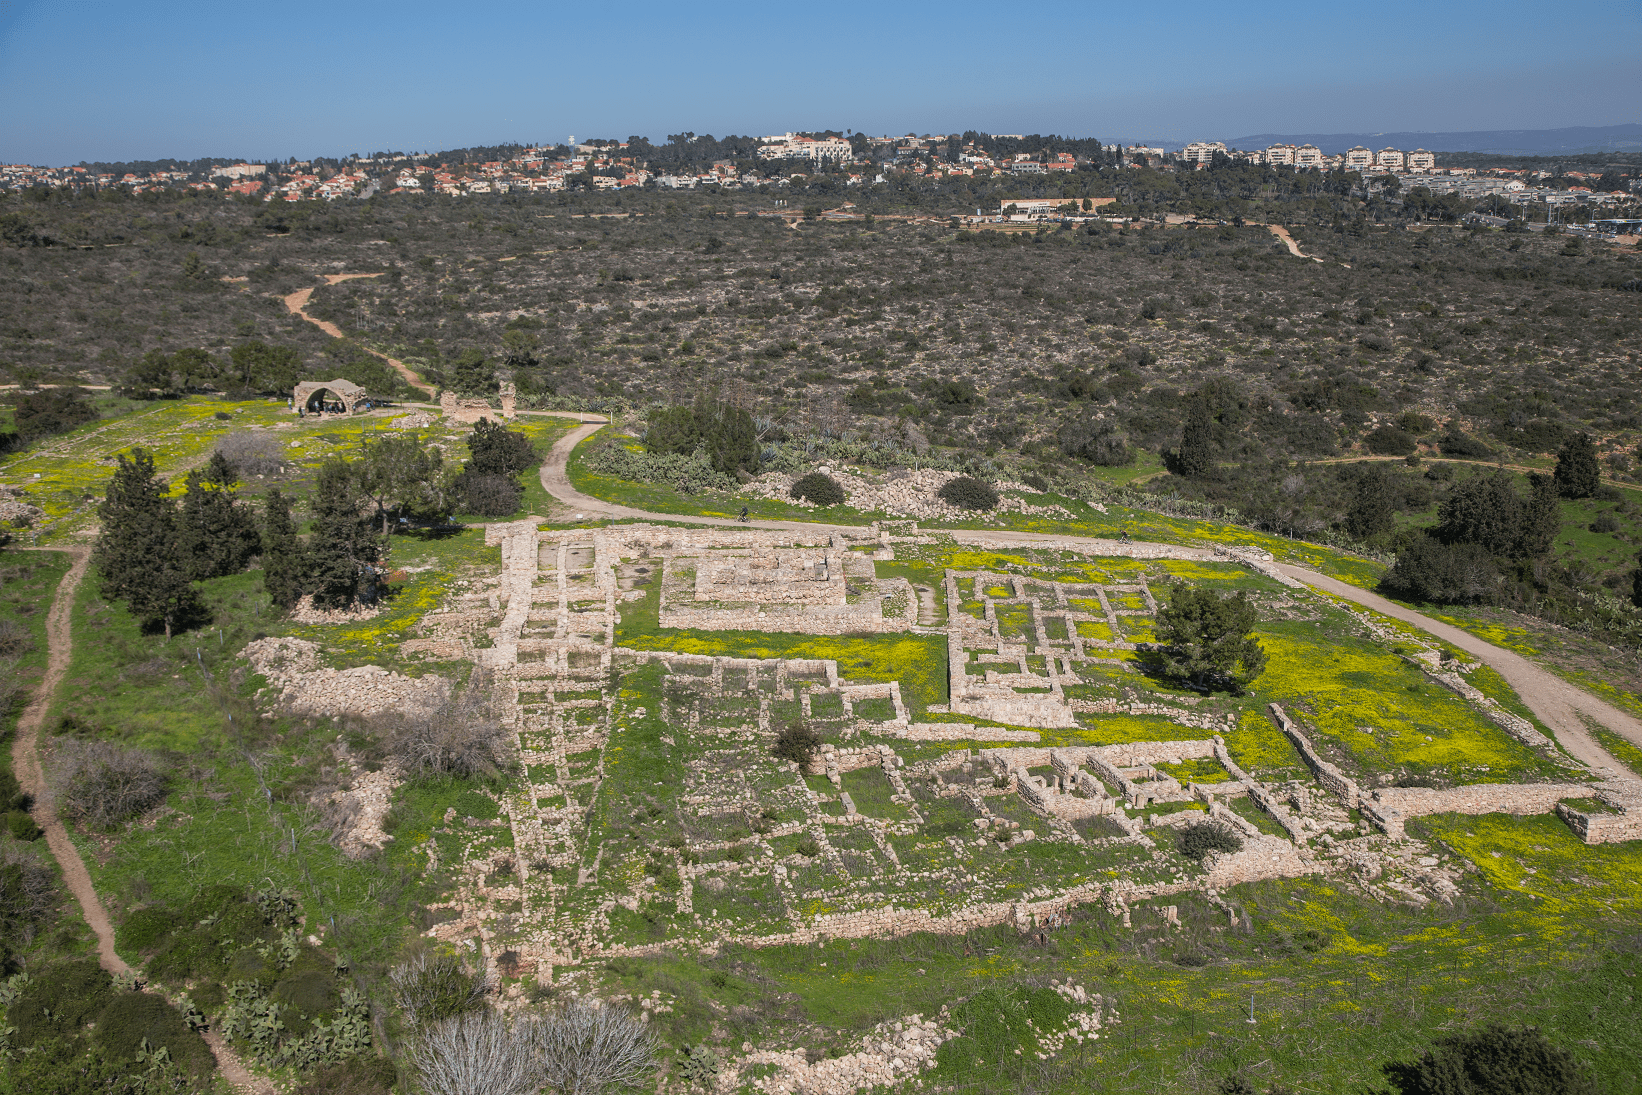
(1421, 160)
(1389, 159)
(1281, 154)
(1308, 155)
(1359, 158)
(790, 146)
(1202, 151)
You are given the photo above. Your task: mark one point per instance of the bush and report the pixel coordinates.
(1390, 441)
(253, 452)
(132, 1018)
(487, 495)
(1438, 573)
(20, 826)
(355, 1076)
(798, 743)
(59, 1000)
(1496, 1060)
(103, 784)
(689, 474)
(496, 450)
(460, 738)
(145, 929)
(306, 993)
(823, 490)
(967, 492)
(1605, 522)
(1455, 443)
(431, 988)
(15, 640)
(28, 893)
(1198, 840)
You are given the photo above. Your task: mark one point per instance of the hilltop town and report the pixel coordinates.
(779, 160)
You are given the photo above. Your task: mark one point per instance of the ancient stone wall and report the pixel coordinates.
(1327, 774)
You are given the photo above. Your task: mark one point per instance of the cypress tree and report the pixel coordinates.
(1196, 458)
(1370, 512)
(344, 548)
(1577, 474)
(284, 560)
(217, 534)
(137, 552)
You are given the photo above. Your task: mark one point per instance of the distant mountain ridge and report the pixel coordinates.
(1509, 142)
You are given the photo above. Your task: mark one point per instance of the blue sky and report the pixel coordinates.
(93, 80)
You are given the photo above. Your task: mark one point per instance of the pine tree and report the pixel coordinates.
(1577, 474)
(344, 548)
(284, 560)
(137, 551)
(1636, 583)
(216, 534)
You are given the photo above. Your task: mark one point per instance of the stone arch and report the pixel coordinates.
(327, 397)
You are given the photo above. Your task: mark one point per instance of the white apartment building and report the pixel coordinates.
(790, 146)
(1421, 160)
(1202, 151)
(1389, 159)
(239, 171)
(1359, 158)
(1308, 155)
(1281, 154)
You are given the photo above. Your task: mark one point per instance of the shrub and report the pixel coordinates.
(823, 490)
(1390, 441)
(103, 784)
(496, 450)
(588, 1047)
(15, 640)
(967, 492)
(132, 1018)
(487, 495)
(21, 826)
(459, 738)
(809, 847)
(1496, 1060)
(28, 893)
(1605, 522)
(59, 1000)
(253, 452)
(1455, 443)
(306, 993)
(1198, 840)
(798, 743)
(431, 988)
(355, 1076)
(1438, 573)
(477, 1052)
(145, 929)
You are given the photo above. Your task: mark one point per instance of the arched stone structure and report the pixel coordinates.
(325, 396)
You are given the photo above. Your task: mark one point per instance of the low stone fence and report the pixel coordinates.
(1327, 774)
(1259, 561)
(1620, 821)
(1390, 807)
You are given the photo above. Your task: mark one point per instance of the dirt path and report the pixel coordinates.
(1288, 241)
(1553, 700)
(296, 302)
(25, 755)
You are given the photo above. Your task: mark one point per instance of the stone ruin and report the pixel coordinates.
(890, 840)
(468, 411)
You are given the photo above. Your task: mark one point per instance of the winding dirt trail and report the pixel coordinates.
(1553, 700)
(296, 303)
(25, 755)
